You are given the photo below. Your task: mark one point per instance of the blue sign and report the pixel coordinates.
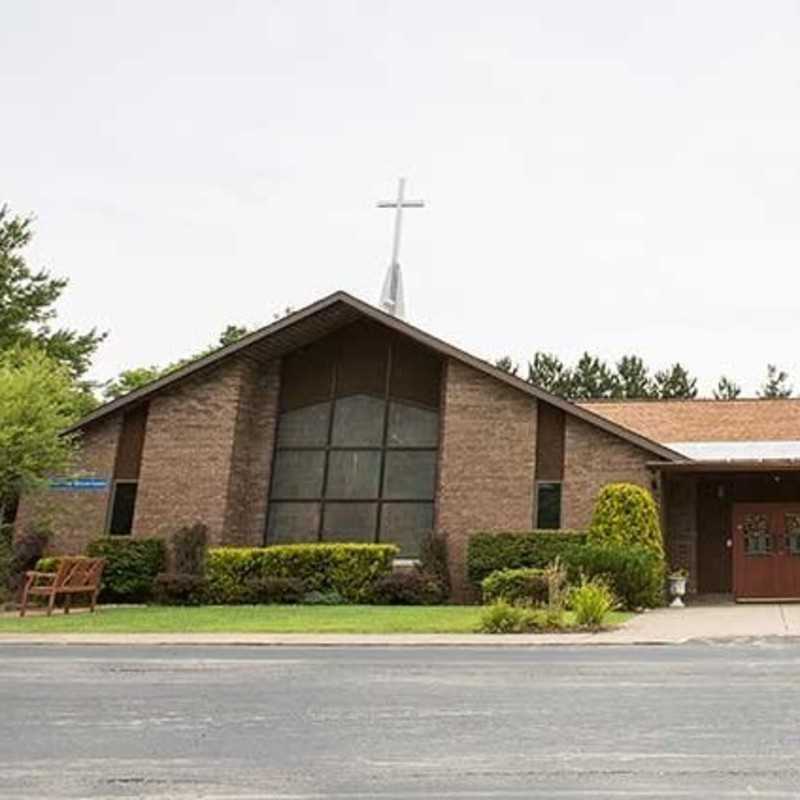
(79, 484)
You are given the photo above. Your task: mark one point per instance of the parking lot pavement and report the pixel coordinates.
(237, 722)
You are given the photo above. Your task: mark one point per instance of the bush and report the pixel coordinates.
(526, 585)
(635, 574)
(349, 569)
(189, 547)
(408, 588)
(488, 552)
(592, 602)
(502, 617)
(131, 567)
(179, 589)
(329, 598)
(626, 514)
(433, 560)
(25, 553)
(260, 590)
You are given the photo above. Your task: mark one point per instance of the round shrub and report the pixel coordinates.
(626, 514)
(179, 589)
(408, 588)
(526, 585)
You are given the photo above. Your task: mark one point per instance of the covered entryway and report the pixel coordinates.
(766, 551)
(735, 527)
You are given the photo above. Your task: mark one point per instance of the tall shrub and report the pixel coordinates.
(131, 567)
(626, 514)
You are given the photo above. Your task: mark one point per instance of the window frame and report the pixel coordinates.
(539, 485)
(383, 448)
(112, 502)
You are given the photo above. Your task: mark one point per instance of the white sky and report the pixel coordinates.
(610, 176)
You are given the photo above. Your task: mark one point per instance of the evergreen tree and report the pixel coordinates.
(727, 389)
(777, 384)
(27, 303)
(507, 365)
(592, 379)
(548, 372)
(675, 383)
(633, 379)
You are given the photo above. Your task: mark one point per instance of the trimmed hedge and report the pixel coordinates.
(523, 585)
(131, 567)
(635, 573)
(348, 569)
(489, 552)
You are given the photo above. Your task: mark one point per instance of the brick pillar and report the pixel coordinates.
(486, 462)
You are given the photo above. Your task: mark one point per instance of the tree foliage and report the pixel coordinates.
(777, 384)
(507, 365)
(548, 372)
(675, 383)
(592, 379)
(727, 389)
(27, 303)
(38, 400)
(633, 379)
(134, 378)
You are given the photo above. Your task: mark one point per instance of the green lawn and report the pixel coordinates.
(260, 619)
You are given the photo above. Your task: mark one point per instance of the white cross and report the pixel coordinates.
(392, 294)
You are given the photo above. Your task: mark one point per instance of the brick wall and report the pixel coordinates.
(486, 461)
(246, 513)
(76, 517)
(186, 461)
(593, 458)
(680, 534)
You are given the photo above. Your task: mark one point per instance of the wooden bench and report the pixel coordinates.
(74, 575)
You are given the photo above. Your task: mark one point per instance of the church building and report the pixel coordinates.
(341, 422)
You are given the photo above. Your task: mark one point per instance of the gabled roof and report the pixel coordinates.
(333, 312)
(682, 421)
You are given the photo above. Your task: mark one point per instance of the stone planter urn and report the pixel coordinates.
(677, 588)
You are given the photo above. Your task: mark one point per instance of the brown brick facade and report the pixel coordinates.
(203, 439)
(486, 461)
(76, 517)
(592, 459)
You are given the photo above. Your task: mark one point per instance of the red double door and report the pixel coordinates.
(766, 551)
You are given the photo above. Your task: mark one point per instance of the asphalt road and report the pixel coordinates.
(560, 722)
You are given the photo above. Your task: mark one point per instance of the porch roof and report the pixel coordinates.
(729, 465)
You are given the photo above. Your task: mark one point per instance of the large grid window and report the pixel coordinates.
(356, 452)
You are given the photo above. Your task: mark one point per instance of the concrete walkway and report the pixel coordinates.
(662, 626)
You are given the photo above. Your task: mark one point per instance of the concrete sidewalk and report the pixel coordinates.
(662, 626)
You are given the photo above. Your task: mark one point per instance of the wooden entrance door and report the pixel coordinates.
(766, 551)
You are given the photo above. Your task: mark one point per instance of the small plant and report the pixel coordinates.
(189, 547)
(521, 586)
(408, 588)
(131, 567)
(502, 617)
(177, 589)
(592, 602)
(267, 589)
(433, 560)
(26, 551)
(329, 598)
(557, 586)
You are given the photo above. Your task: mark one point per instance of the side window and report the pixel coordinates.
(548, 505)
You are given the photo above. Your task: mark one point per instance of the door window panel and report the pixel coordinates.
(757, 538)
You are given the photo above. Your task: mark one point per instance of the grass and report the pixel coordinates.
(261, 619)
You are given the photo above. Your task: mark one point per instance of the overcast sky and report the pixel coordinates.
(610, 176)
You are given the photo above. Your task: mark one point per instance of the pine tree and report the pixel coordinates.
(727, 389)
(633, 379)
(547, 371)
(507, 365)
(777, 384)
(592, 379)
(675, 383)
